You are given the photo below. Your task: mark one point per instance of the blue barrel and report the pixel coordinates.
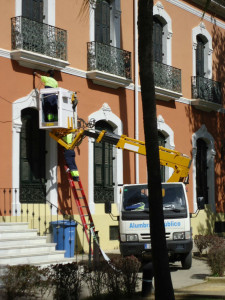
(64, 236)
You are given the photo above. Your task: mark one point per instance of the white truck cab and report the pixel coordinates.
(135, 227)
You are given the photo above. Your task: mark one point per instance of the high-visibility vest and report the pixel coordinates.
(49, 81)
(68, 138)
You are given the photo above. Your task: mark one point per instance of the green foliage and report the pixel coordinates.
(203, 242)
(129, 266)
(96, 280)
(200, 242)
(24, 281)
(66, 280)
(118, 278)
(216, 258)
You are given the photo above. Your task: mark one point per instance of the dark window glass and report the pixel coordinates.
(103, 167)
(113, 233)
(102, 22)
(32, 159)
(201, 170)
(162, 142)
(157, 40)
(200, 57)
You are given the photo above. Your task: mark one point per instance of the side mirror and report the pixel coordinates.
(108, 207)
(201, 203)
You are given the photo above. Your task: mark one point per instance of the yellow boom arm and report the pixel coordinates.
(170, 158)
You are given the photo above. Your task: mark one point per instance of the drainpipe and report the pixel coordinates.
(136, 87)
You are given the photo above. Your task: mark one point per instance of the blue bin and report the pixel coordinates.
(64, 236)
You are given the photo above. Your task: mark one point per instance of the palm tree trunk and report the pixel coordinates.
(163, 283)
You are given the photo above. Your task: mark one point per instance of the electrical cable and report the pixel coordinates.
(29, 96)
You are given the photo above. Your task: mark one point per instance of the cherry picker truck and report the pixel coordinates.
(133, 207)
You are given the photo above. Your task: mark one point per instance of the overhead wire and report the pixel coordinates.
(25, 100)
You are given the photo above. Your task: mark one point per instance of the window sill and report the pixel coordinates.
(205, 105)
(166, 95)
(37, 61)
(107, 79)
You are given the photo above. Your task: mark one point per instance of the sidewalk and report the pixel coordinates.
(210, 288)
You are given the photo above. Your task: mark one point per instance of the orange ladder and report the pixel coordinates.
(82, 205)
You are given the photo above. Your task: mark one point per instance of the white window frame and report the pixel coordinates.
(115, 16)
(31, 101)
(49, 11)
(159, 11)
(203, 134)
(105, 114)
(168, 133)
(201, 30)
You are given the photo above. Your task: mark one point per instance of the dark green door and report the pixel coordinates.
(32, 25)
(102, 22)
(32, 159)
(157, 40)
(200, 57)
(33, 9)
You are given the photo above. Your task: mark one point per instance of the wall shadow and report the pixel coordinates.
(215, 124)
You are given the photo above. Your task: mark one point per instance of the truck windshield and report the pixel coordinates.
(135, 198)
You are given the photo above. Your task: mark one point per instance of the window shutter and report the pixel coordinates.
(103, 168)
(98, 161)
(157, 40)
(201, 170)
(200, 57)
(32, 159)
(33, 9)
(102, 22)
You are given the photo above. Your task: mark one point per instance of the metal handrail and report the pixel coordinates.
(38, 37)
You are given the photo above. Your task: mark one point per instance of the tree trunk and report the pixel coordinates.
(163, 283)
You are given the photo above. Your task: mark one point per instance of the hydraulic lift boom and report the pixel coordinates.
(170, 158)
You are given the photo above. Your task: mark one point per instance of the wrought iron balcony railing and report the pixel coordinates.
(103, 194)
(167, 77)
(206, 89)
(108, 59)
(38, 37)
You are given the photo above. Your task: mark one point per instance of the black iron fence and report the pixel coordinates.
(206, 89)
(109, 59)
(42, 217)
(167, 77)
(38, 37)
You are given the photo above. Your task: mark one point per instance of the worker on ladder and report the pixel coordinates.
(69, 156)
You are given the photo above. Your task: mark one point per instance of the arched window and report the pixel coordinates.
(103, 167)
(162, 142)
(200, 57)
(201, 170)
(102, 22)
(32, 159)
(157, 40)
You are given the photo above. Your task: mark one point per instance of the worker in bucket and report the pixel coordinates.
(69, 156)
(50, 106)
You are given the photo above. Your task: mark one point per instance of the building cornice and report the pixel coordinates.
(197, 12)
(83, 74)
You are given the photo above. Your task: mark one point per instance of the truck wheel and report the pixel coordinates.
(186, 261)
